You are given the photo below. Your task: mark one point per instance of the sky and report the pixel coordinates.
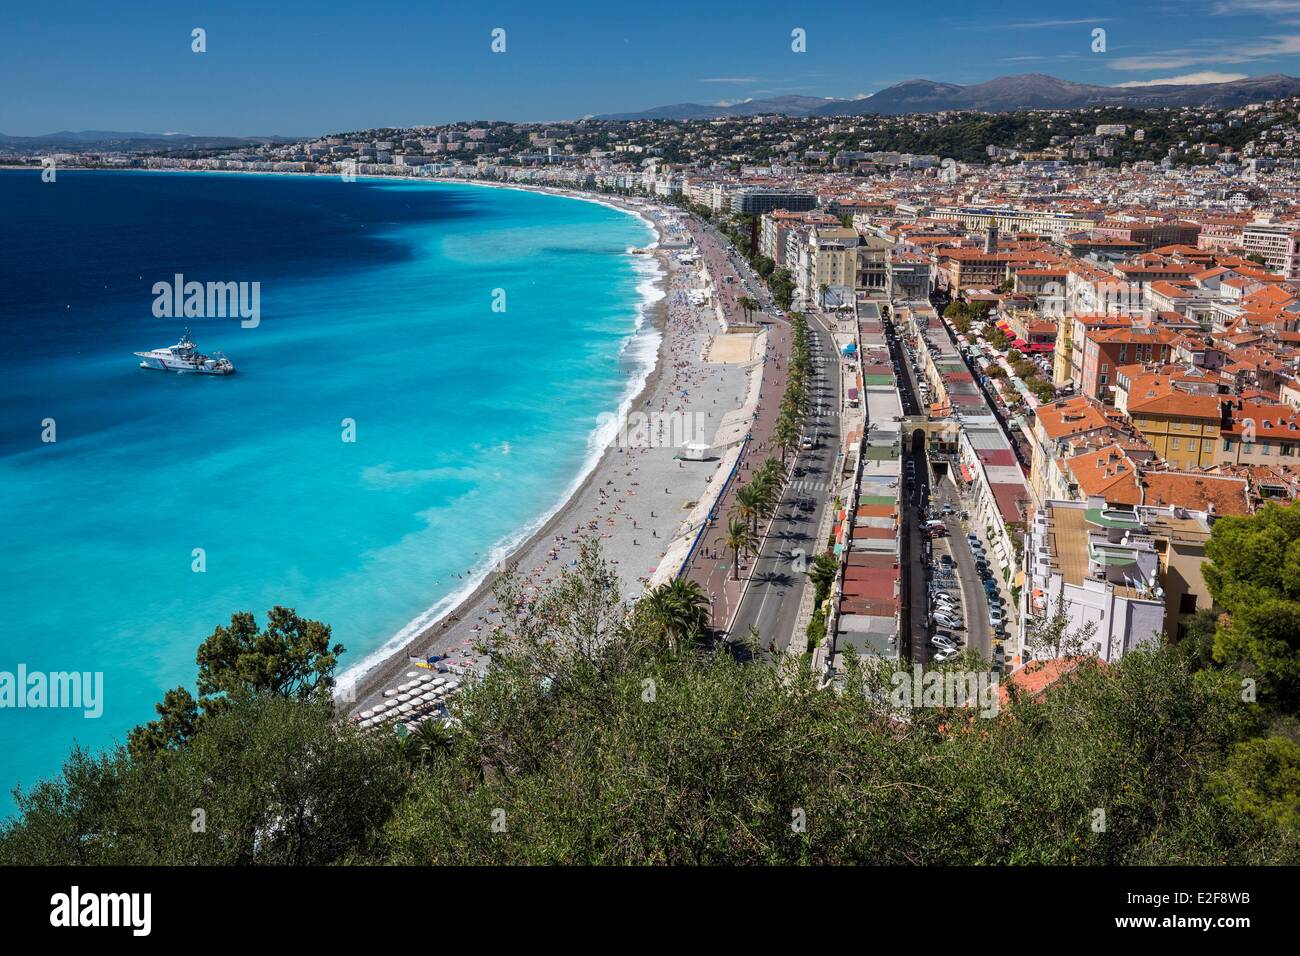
(294, 68)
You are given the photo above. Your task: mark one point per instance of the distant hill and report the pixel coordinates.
(92, 139)
(1006, 93)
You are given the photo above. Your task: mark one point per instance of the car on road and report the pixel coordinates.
(806, 443)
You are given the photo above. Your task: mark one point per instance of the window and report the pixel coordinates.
(1187, 604)
(1174, 443)
(1227, 444)
(1191, 444)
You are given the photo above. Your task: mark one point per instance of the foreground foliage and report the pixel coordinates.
(603, 736)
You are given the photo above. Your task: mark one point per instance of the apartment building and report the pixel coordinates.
(1254, 432)
(1106, 349)
(1059, 430)
(1178, 415)
(834, 260)
(1101, 568)
(1277, 243)
(774, 229)
(755, 201)
(909, 276)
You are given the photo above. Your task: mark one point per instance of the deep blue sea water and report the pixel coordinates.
(376, 306)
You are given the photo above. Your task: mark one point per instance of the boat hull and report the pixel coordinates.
(180, 368)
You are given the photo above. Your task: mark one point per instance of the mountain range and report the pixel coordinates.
(1027, 91)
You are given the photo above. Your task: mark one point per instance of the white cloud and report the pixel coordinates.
(1266, 7)
(1269, 48)
(1205, 76)
(1037, 24)
(730, 79)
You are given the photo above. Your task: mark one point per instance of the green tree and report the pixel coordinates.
(1262, 780)
(267, 780)
(1051, 635)
(290, 657)
(1253, 575)
(678, 610)
(739, 535)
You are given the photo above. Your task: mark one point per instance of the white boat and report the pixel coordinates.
(184, 357)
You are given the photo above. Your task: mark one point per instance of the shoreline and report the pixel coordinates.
(386, 662)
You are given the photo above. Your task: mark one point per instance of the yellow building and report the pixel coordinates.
(1182, 426)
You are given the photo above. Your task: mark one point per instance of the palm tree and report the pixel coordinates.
(678, 610)
(749, 305)
(739, 536)
(429, 741)
(745, 507)
(786, 436)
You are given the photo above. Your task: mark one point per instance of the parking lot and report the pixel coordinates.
(963, 585)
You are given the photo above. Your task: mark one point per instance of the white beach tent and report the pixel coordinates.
(695, 450)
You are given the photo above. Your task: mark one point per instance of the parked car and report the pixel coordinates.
(996, 618)
(945, 655)
(946, 559)
(943, 643)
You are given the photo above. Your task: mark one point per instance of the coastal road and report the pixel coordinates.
(711, 563)
(771, 602)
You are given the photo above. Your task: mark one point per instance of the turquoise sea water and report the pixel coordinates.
(376, 306)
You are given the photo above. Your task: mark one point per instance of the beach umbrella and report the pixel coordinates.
(406, 708)
(403, 697)
(391, 692)
(367, 714)
(412, 673)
